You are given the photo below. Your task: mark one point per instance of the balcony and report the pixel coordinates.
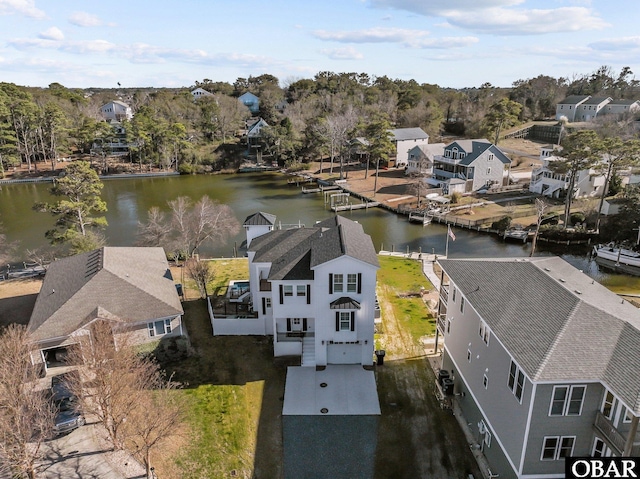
(444, 294)
(441, 323)
(615, 439)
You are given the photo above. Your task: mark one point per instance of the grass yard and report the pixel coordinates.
(400, 283)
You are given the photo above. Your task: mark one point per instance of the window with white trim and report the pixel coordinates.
(345, 321)
(488, 171)
(462, 304)
(448, 325)
(301, 290)
(485, 381)
(609, 405)
(555, 448)
(516, 381)
(627, 416)
(288, 289)
(352, 283)
(567, 400)
(453, 296)
(338, 283)
(469, 355)
(267, 302)
(484, 332)
(490, 156)
(159, 328)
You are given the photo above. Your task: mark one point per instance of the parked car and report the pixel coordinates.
(68, 413)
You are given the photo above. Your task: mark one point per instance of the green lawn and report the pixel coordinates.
(400, 282)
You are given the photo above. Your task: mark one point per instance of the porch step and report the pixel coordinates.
(308, 352)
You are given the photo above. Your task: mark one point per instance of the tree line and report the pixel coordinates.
(307, 117)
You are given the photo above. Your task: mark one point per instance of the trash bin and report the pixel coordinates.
(380, 356)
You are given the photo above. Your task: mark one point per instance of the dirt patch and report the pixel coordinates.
(17, 298)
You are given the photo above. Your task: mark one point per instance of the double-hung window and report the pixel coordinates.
(288, 290)
(352, 283)
(567, 400)
(516, 381)
(338, 283)
(301, 290)
(557, 447)
(345, 320)
(484, 332)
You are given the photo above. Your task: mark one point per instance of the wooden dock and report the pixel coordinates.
(423, 218)
(359, 206)
(320, 189)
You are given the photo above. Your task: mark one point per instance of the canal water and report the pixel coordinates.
(128, 201)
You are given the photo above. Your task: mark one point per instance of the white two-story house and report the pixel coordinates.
(544, 181)
(314, 289)
(468, 165)
(116, 110)
(405, 139)
(544, 363)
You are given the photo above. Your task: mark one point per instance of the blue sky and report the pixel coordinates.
(452, 43)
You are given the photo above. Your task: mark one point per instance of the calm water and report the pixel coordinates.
(128, 201)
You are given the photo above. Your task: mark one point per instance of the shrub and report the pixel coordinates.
(186, 169)
(455, 197)
(577, 217)
(501, 224)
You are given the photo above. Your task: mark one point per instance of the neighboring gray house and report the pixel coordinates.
(590, 108)
(543, 361)
(569, 106)
(620, 107)
(405, 139)
(116, 111)
(131, 288)
(468, 165)
(251, 101)
(421, 158)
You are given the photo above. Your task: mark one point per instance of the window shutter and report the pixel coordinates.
(304, 324)
(264, 305)
(288, 324)
(330, 283)
(359, 283)
(281, 295)
(353, 320)
(308, 294)
(337, 321)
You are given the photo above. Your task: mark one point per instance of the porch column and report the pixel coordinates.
(631, 437)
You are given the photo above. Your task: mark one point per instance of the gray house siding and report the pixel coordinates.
(543, 425)
(503, 412)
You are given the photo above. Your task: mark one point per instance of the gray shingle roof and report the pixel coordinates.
(573, 99)
(293, 253)
(474, 148)
(400, 134)
(130, 284)
(596, 100)
(260, 218)
(556, 322)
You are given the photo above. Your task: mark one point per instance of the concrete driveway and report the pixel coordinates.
(81, 454)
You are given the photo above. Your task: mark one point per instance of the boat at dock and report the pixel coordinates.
(620, 256)
(517, 234)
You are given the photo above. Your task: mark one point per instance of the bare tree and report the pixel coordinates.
(156, 419)
(125, 390)
(27, 416)
(202, 273)
(188, 226)
(541, 208)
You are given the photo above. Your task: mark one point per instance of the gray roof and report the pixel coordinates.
(574, 99)
(260, 219)
(430, 150)
(400, 134)
(126, 284)
(596, 100)
(294, 253)
(474, 148)
(622, 102)
(556, 322)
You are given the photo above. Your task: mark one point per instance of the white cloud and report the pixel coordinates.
(501, 17)
(347, 53)
(21, 7)
(617, 44)
(501, 21)
(445, 42)
(84, 19)
(372, 35)
(53, 33)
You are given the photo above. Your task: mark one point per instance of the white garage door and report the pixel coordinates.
(343, 354)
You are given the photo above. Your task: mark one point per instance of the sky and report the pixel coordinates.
(451, 43)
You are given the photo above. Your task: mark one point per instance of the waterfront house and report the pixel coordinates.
(568, 107)
(589, 109)
(312, 289)
(542, 362)
(421, 159)
(405, 139)
(251, 101)
(131, 288)
(620, 107)
(200, 93)
(469, 165)
(544, 181)
(116, 111)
